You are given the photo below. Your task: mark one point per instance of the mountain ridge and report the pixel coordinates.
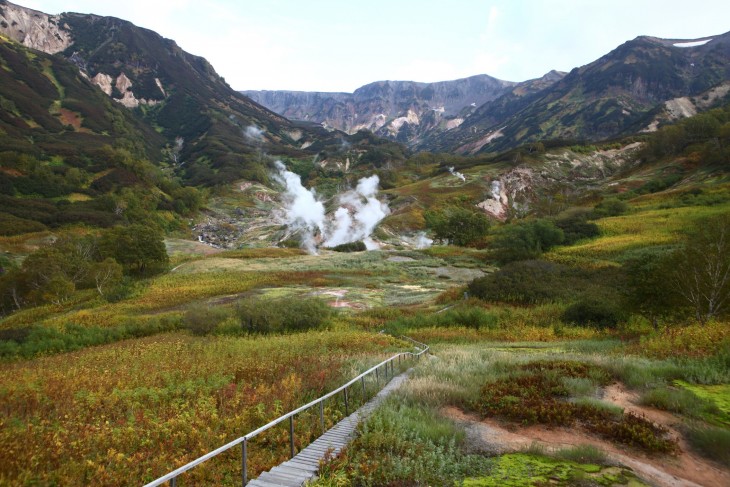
(405, 111)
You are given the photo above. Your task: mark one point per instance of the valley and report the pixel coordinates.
(182, 263)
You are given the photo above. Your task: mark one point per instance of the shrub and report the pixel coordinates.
(526, 240)
(575, 225)
(457, 225)
(358, 246)
(203, 320)
(610, 207)
(594, 312)
(267, 315)
(459, 316)
(522, 282)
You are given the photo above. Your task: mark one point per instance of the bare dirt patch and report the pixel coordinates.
(69, 117)
(686, 469)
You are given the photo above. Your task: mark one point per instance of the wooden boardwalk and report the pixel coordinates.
(303, 467)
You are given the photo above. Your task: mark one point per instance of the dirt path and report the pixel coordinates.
(686, 469)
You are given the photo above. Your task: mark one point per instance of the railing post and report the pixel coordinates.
(291, 435)
(364, 394)
(347, 407)
(377, 378)
(244, 463)
(321, 416)
(173, 482)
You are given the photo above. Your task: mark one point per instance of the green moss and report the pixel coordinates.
(520, 469)
(719, 395)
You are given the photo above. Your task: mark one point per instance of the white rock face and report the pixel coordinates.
(453, 123)
(124, 85)
(103, 81)
(34, 29)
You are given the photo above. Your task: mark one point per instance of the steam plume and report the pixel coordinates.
(254, 133)
(457, 174)
(303, 212)
(358, 214)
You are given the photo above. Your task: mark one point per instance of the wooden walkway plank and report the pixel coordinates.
(305, 465)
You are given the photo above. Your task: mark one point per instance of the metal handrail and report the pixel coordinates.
(243, 440)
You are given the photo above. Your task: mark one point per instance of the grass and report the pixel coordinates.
(711, 442)
(678, 400)
(129, 412)
(641, 228)
(403, 444)
(524, 469)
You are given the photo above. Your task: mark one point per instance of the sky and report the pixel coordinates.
(340, 45)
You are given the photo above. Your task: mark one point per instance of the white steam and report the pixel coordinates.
(303, 212)
(457, 174)
(358, 215)
(356, 218)
(254, 133)
(420, 241)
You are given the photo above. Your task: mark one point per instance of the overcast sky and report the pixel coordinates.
(339, 45)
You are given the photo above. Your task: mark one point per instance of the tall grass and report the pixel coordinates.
(127, 413)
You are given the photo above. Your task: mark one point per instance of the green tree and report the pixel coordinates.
(648, 278)
(139, 249)
(106, 275)
(526, 240)
(701, 268)
(457, 225)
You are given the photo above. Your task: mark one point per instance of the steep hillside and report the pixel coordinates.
(212, 133)
(614, 95)
(405, 111)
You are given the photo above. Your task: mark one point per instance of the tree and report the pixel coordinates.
(457, 225)
(701, 268)
(648, 277)
(526, 240)
(139, 249)
(106, 274)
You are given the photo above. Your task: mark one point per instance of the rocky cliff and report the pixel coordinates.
(405, 111)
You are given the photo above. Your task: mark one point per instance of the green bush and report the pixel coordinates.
(575, 225)
(594, 312)
(458, 316)
(610, 207)
(203, 320)
(267, 315)
(522, 282)
(457, 225)
(358, 246)
(37, 340)
(526, 240)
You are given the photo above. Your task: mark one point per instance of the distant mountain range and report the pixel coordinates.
(405, 111)
(175, 108)
(636, 86)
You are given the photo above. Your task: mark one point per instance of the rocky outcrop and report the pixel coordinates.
(33, 29)
(406, 111)
(615, 95)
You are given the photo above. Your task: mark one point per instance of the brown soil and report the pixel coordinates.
(70, 118)
(686, 469)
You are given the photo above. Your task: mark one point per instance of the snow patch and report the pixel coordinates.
(691, 43)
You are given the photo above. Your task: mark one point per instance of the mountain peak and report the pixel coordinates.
(33, 29)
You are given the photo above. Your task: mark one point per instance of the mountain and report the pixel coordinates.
(620, 93)
(209, 132)
(405, 111)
